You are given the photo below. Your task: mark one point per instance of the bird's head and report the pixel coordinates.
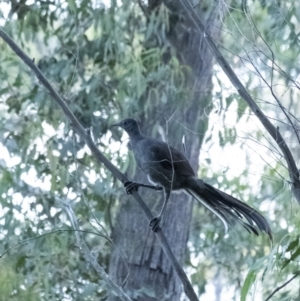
(129, 125)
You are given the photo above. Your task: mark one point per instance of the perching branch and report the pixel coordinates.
(188, 288)
(272, 130)
(282, 286)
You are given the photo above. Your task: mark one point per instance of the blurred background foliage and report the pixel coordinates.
(110, 60)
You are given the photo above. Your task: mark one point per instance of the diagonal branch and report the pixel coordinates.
(282, 286)
(272, 130)
(89, 257)
(188, 288)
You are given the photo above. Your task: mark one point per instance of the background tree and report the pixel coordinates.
(113, 60)
(176, 108)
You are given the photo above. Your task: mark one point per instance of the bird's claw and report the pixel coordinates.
(155, 224)
(130, 186)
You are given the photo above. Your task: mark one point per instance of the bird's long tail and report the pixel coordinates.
(226, 207)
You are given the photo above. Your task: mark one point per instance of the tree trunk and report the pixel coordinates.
(150, 275)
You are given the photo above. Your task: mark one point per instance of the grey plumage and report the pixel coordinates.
(167, 167)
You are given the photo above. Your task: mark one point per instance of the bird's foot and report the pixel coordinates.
(155, 224)
(130, 186)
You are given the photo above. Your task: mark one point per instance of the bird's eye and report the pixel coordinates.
(124, 122)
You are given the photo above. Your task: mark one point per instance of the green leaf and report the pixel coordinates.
(20, 263)
(229, 100)
(247, 284)
(292, 245)
(293, 257)
(242, 106)
(221, 139)
(72, 5)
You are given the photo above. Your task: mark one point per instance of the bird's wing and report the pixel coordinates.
(171, 159)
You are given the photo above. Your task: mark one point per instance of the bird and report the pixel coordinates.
(169, 170)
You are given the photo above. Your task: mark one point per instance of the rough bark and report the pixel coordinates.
(151, 276)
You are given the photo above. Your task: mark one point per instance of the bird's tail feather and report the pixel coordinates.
(227, 208)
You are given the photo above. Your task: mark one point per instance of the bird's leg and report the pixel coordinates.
(156, 222)
(130, 186)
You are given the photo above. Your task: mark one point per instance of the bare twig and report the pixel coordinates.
(282, 286)
(188, 288)
(89, 257)
(50, 233)
(272, 130)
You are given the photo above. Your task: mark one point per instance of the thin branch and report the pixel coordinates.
(49, 233)
(69, 230)
(89, 257)
(187, 286)
(272, 130)
(282, 286)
